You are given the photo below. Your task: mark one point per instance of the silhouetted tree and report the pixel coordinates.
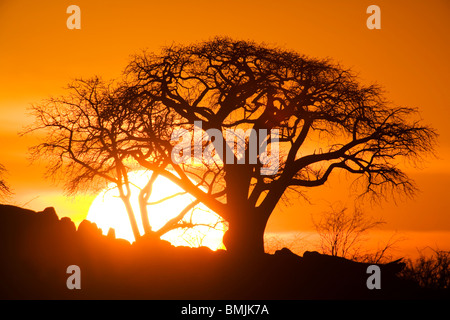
(86, 145)
(342, 233)
(83, 141)
(327, 122)
(431, 271)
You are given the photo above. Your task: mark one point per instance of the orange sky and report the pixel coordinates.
(409, 56)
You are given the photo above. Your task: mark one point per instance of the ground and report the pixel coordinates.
(38, 247)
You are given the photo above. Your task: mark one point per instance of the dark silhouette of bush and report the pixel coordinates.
(431, 272)
(342, 233)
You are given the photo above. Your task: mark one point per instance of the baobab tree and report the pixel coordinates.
(325, 121)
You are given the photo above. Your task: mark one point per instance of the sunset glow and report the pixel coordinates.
(408, 57)
(249, 152)
(108, 211)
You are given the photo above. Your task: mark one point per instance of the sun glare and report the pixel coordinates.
(108, 211)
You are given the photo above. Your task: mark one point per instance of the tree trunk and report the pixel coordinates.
(144, 195)
(245, 235)
(144, 215)
(246, 224)
(129, 208)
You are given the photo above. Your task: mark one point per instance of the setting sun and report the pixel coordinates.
(108, 211)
